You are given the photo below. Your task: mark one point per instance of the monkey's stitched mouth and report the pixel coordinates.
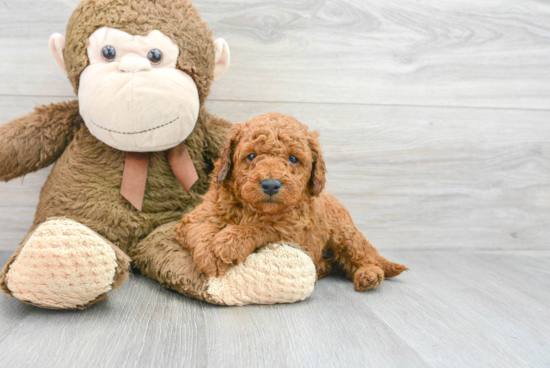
(143, 131)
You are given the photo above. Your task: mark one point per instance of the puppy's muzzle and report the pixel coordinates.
(271, 187)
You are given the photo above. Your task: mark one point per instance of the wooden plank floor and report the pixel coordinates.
(453, 309)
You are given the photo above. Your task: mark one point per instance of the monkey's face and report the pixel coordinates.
(134, 94)
(131, 95)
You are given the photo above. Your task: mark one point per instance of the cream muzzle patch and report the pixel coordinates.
(132, 97)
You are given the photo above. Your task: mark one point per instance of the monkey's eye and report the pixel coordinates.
(251, 157)
(108, 53)
(293, 159)
(155, 56)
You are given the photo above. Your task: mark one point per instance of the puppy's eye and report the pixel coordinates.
(155, 56)
(293, 159)
(108, 53)
(251, 157)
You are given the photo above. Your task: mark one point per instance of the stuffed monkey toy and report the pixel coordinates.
(132, 155)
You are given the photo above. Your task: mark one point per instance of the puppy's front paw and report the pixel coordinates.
(207, 262)
(368, 277)
(229, 247)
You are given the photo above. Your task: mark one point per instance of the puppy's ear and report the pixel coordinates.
(318, 171)
(223, 166)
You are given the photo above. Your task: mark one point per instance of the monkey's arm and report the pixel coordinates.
(216, 130)
(35, 141)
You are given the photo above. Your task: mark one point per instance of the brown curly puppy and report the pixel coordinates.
(268, 187)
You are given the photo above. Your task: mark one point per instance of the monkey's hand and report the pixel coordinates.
(35, 141)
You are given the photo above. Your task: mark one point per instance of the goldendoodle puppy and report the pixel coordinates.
(267, 187)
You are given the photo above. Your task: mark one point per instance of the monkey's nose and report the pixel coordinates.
(271, 187)
(134, 64)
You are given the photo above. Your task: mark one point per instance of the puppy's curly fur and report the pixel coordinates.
(237, 216)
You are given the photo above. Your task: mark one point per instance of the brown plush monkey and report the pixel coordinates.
(126, 156)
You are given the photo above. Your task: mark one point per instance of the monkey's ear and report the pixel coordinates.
(223, 57)
(57, 44)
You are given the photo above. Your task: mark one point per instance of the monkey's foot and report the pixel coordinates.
(277, 273)
(65, 265)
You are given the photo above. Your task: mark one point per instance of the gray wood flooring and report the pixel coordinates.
(453, 309)
(435, 122)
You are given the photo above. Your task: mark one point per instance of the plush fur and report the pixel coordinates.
(237, 217)
(85, 182)
(84, 185)
(177, 19)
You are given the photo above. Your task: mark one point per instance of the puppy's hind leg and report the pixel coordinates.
(360, 260)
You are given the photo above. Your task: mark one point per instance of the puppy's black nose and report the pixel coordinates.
(271, 187)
